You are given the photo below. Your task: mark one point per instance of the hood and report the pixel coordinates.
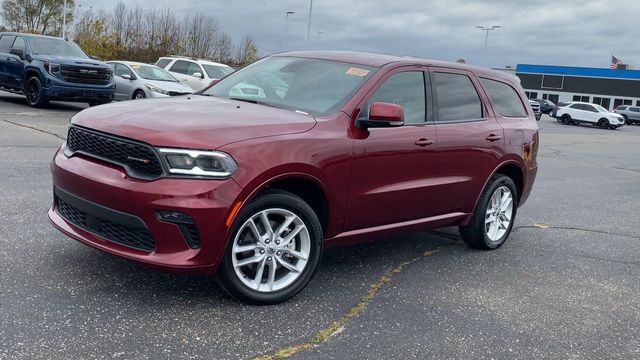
(64, 60)
(167, 85)
(196, 122)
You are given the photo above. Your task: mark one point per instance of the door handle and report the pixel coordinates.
(493, 137)
(424, 142)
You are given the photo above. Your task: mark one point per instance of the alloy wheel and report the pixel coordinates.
(271, 250)
(33, 92)
(499, 213)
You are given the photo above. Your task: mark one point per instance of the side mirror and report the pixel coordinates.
(384, 114)
(198, 75)
(126, 77)
(17, 52)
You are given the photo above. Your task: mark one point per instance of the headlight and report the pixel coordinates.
(52, 68)
(213, 164)
(157, 89)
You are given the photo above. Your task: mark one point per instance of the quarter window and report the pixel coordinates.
(505, 98)
(405, 89)
(457, 98)
(5, 43)
(163, 63)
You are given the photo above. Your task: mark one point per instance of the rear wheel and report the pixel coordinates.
(565, 119)
(34, 95)
(603, 123)
(495, 214)
(274, 249)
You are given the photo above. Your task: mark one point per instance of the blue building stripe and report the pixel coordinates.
(577, 71)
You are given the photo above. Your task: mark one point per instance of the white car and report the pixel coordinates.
(196, 73)
(140, 81)
(582, 112)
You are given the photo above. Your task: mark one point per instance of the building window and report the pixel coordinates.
(618, 102)
(580, 98)
(531, 94)
(554, 98)
(637, 102)
(602, 101)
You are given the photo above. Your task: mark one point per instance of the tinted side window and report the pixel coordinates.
(589, 108)
(634, 109)
(194, 68)
(457, 98)
(122, 70)
(505, 98)
(576, 106)
(163, 62)
(5, 43)
(405, 89)
(180, 66)
(19, 44)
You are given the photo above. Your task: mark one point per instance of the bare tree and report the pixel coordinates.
(37, 16)
(247, 51)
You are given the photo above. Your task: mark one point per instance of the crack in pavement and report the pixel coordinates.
(338, 326)
(34, 128)
(540, 226)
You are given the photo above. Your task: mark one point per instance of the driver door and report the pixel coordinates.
(392, 167)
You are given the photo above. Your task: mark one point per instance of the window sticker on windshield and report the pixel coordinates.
(357, 72)
(135, 66)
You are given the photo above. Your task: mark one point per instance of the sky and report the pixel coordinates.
(569, 32)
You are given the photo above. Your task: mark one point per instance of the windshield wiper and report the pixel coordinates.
(247, 100)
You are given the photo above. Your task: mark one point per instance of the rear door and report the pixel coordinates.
(6, 41)
(470, 140)
(634, 113)
(15, 66)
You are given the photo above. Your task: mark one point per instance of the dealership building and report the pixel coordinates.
(606, 87)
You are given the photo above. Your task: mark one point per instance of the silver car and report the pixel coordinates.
(140, 81)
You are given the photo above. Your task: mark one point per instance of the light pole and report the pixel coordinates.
(486, 29)
(309, 24)
(64, 20)
(286, 25)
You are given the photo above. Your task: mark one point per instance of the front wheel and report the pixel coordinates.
(34, 95)
(603, 123)
(274, 249)
(495, 214)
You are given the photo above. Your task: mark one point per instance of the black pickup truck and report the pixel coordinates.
(47, 68)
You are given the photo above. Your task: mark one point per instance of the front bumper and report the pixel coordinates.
(57, 90)
(207, 202)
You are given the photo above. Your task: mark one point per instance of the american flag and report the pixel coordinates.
(615, 62)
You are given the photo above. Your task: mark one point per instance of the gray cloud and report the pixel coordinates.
(571, 32)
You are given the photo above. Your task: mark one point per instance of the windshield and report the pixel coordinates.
(319, 87)
(57, 47)
(217, 72)
(600, 108)
(149, 72)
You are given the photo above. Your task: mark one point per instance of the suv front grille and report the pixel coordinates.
(85, 75)
(135, 238)
(139, 160)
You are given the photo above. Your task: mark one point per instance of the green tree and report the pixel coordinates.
(36, 16)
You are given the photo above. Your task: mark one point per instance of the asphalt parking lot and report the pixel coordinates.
(565, 285)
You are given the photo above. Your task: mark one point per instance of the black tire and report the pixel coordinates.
(603, 123)
(575, 122)
(475, 233)
(33, 93)
(139, 95)
(268, 200)
(565, 119)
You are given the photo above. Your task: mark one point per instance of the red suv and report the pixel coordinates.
(255, 176)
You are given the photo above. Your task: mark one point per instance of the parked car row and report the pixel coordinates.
(45, 68)
(535, 106)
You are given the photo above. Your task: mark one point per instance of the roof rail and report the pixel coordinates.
(188, 57)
